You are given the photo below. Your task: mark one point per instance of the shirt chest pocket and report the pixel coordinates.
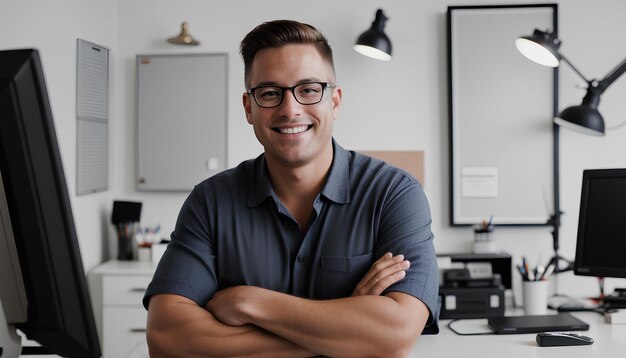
(339, 275)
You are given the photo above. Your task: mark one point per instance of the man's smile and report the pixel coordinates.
(292, 130)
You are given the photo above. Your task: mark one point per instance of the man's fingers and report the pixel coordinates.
(389, 271)
(382, 285)
(382, 263)
(382, 275)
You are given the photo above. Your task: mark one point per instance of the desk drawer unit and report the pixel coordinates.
(124, 290)
(124, 328)
(117, 288)
(123, 316)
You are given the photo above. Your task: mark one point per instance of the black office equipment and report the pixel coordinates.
(601, 243)
(559, 339)
(477, 302)
(479, 296)
(125, 212)
(42, 283)
(536, 324)
(500, 263)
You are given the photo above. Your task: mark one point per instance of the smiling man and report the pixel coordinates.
(290, 254)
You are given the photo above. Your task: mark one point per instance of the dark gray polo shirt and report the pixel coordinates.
(233, 230)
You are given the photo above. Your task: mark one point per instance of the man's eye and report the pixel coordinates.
(310, 90)
(268, 93)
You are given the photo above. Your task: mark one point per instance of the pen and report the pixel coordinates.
(539, 270)
(539, 273)
(521, 272)
(526, 270)
(548, 272)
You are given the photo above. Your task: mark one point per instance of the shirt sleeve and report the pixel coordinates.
(405, 228)
(187, 267)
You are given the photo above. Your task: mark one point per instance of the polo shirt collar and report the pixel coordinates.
(260, 184)
(337, 187)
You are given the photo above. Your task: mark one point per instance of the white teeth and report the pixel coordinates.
(293, 130)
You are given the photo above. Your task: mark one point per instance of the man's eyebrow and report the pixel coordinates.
(276, 84)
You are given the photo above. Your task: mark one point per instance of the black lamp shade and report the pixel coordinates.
(583, 119)
(540, 47)
(374, 42)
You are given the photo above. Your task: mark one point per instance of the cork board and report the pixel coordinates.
(411, 161)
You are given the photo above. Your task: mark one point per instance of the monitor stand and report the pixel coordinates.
(10, 341)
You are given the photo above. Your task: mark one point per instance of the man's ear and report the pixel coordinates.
(247, 106)
(336, 100)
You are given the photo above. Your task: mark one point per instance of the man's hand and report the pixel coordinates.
(386, 271)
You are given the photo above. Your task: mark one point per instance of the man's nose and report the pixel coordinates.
(290, 106)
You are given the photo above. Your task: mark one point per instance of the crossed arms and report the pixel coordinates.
(256, 322)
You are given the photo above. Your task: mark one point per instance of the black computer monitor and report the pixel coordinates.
(601, 244)
(43, 289)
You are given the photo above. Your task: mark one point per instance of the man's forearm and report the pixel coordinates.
(177, 327)
(355, 326)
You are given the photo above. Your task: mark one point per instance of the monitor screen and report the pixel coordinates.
(601, 244)
(37, 231)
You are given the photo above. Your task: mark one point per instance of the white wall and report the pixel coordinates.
(399, 105)
(53, 27)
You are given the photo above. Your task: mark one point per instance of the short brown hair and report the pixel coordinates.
(278, 33)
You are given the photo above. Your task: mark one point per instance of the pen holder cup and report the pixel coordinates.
(483, 241)
(535, 297)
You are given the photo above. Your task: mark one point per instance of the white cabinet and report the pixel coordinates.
(117, 288)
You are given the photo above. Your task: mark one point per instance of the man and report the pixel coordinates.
(289, 254)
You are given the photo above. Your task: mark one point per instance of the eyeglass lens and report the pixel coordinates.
(306, 93)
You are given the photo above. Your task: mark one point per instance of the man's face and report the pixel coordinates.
(293, 134)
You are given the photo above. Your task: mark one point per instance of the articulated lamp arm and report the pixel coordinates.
(612, 76)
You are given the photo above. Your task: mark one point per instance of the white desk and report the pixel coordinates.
(610, 341)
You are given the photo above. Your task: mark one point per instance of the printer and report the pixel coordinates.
(474, 286)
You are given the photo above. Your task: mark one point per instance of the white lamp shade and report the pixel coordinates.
(535, 52)
(372, 52)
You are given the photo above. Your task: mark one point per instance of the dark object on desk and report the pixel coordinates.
(615, 300)
(600, 245)
(125, 212)
(536, 324)
(500, 263)
(461, 278)
(558, 339)
(466, 297)
(577, 307)
(125, 217)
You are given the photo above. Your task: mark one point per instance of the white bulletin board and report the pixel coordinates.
(501, 107)
(181, 120)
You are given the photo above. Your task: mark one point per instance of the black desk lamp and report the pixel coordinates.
(542, 47)
(374, 42)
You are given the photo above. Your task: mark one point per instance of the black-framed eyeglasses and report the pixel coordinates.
(305, 93)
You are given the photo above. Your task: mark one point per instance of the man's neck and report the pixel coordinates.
(298, 180)
(297, 186)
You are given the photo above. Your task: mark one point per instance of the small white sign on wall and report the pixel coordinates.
(479, 182)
